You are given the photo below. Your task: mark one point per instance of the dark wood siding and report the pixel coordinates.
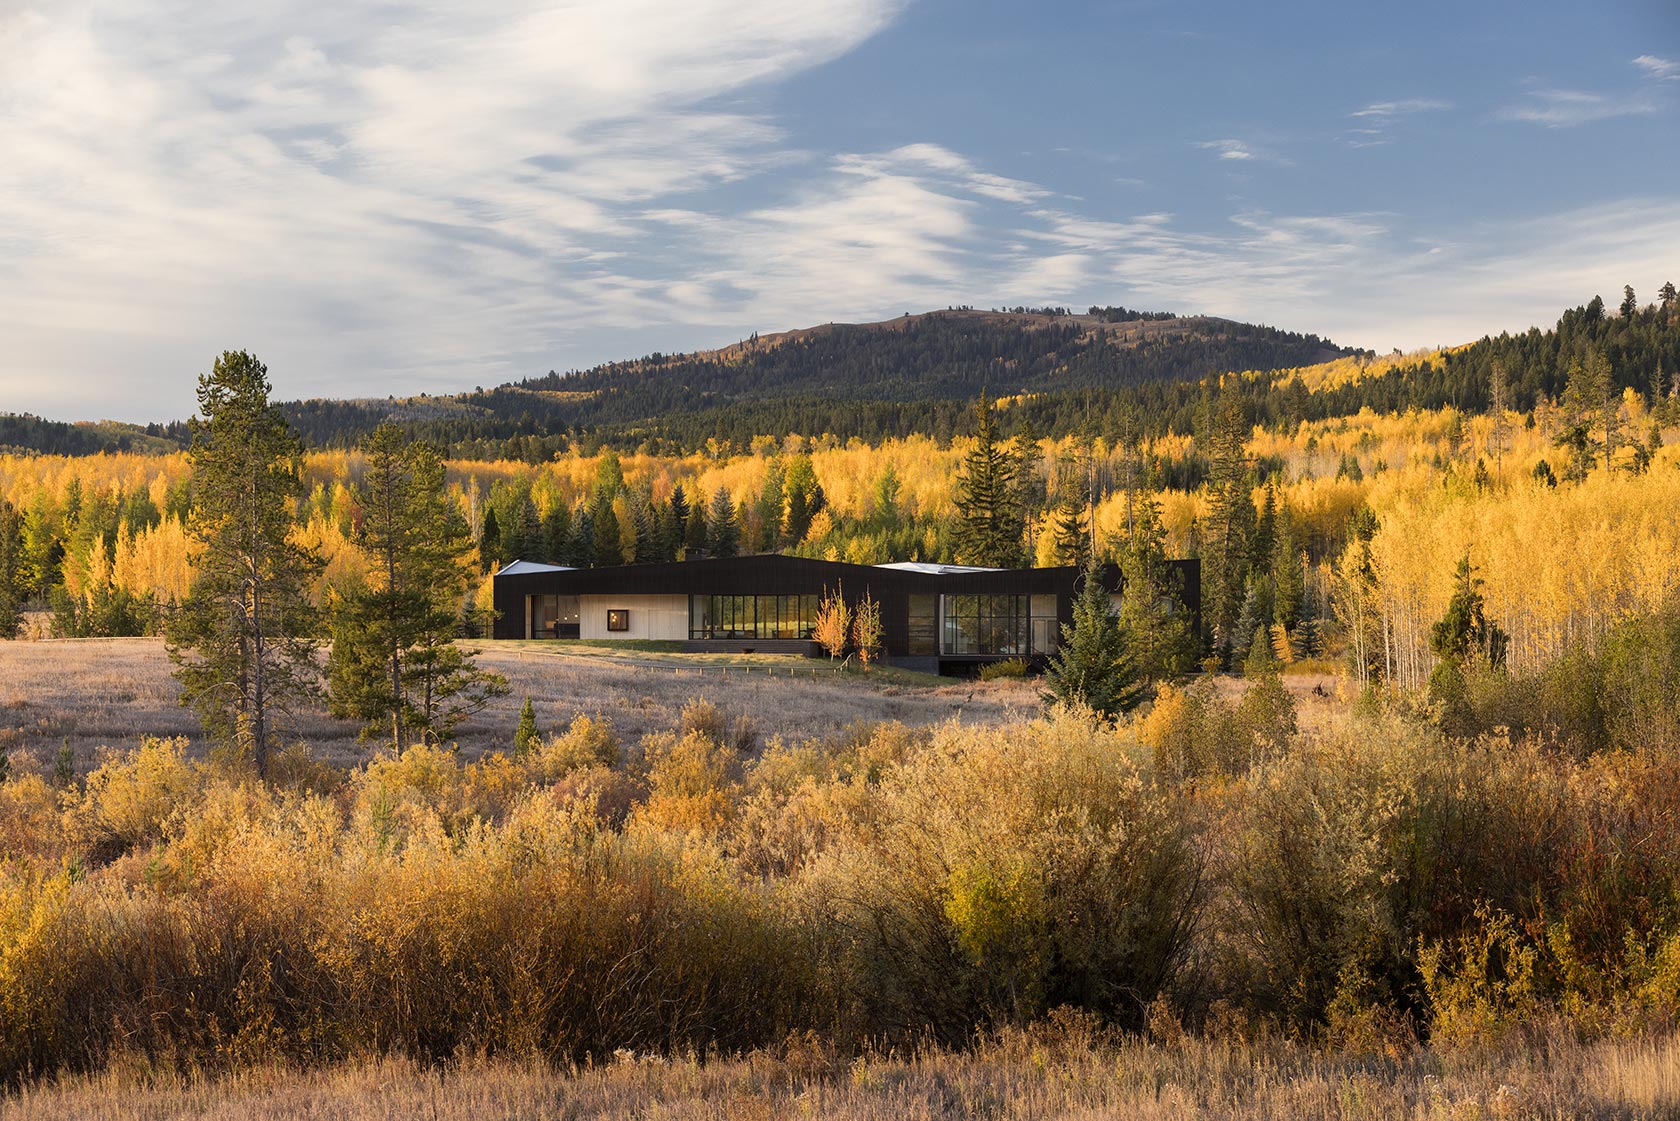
(775, 574)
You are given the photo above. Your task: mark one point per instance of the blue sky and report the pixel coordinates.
(395, 196)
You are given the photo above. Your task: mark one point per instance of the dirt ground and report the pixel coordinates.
(95, 693)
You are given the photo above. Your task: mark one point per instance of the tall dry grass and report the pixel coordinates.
(1062, 1071)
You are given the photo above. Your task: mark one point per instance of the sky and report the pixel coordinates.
(401, 196)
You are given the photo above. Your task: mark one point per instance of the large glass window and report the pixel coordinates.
(554, 616)
(751, 617)
(1046, 627)
(923, 637)
(984, 625)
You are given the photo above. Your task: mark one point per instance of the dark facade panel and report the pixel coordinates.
(779, 575)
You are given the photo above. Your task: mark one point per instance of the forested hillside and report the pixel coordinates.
(917, 374)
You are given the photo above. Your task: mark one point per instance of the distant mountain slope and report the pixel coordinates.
(23, 432)
(914, 373)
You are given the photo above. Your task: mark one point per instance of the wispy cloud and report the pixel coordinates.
(1558, 108)
(1663, 69)
(1228, 149)
(1388, 110)
(411, 188)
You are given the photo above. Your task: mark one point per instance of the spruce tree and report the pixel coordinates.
(490, 542)
(608, 544)
(1070, 543)
(12, 570)
(989, 523)
(723, 534)
(394, 663)
(1153, 622)
(1229, 523)
(242, 640)
(694, 532)
(1093, 667)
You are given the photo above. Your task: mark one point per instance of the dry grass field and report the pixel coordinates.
(1023, 1075)
(95, 693)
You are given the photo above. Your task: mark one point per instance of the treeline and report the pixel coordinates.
(23, 432)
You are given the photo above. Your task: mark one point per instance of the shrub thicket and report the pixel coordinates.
(1203, 864)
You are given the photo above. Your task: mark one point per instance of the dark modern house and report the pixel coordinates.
(938, 617)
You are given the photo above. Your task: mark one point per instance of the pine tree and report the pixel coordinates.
(1070, 541)
(580, 544)
(989, 523)
(1497, 383)
(1582, 397)
(241, 640)
(1464, 632)
(1152, 620)
(490, 553)
(607, 543)
(1630, 303)
(1092, 667)
(645, 524)
(1229, 523)
(694, 532)
(722, 533)
(394, 662)
(1289, 576)
(13, 575)
(556, 526)
(803, 498)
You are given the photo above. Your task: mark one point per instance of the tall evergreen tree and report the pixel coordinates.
(1093, 666)
(608, 543)
(13, 573)
(1070, 536)
(723, 534)
(241, 641)
(1153, 622)
(1230, 520)
(989, 523)
(803, 498)
(394, 662)
(490, 542)
(694, 532)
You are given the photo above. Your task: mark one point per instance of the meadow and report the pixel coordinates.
(92, 694)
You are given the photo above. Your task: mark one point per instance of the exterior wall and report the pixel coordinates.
(660, 617)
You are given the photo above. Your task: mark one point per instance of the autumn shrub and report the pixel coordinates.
(1345, 855)
(588, 742)
(129, 798)
(691, 782)
(1008, 669)
(1003, 872)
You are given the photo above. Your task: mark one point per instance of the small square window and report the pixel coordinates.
(618, 620)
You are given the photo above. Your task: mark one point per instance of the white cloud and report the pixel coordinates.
(1362, 278)
(1228, 149)
(417, 191)
(1556, 108)
(1663, 69)
(1385, 110)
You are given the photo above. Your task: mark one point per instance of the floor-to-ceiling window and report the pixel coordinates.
(751, 617)
(1007, 626)
(554, 616)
